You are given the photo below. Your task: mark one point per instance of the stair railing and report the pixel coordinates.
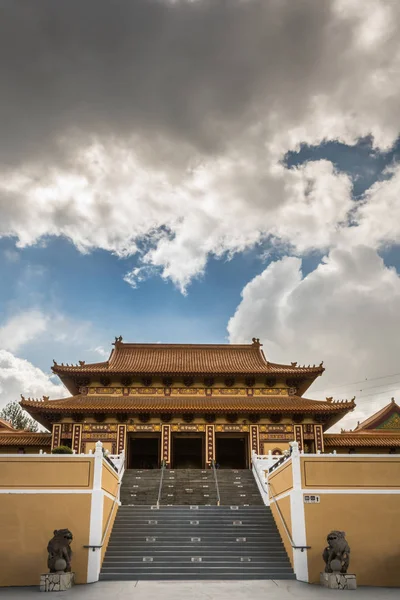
(163, 467)
(216, 482)
(273, 496)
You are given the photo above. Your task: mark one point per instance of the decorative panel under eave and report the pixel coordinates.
(298, 436)
(210, 444)
(56, 436)
(121, 438)
(255, 438)
(76, 438)
(319, 438)
(166, 444)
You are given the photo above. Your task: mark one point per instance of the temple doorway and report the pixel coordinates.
(231, 450)
(187, 450)
(144, 451)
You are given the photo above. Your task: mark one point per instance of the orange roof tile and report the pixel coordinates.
(353, 439)
(194, 359)
(80, 403)
(24, 438)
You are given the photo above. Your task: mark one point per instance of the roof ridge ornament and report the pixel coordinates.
(329, 399)
(256, 342)
(294, 364)
(82, 363)
(118, 340)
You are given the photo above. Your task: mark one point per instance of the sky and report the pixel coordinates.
(201, 171)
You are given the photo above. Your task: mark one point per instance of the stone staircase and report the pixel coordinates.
(185, 487)
(206, 542)
(189, 536)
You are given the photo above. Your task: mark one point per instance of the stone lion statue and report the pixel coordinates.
(60, 553)
(337, 554)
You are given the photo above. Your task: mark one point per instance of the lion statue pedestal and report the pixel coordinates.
(59, 551)
(337, 559)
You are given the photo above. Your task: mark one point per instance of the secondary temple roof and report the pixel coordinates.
(188, 359)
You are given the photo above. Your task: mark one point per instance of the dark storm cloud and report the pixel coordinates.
(197, 72)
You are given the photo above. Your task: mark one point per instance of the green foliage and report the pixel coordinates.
(62, 450)
(18, 418)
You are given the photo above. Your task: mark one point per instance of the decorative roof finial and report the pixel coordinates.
(392, 400)
(329, 399)
(118, 340)
(54, 363)
(256, 342)
(321, 363)
(82, 363)
(294, 364)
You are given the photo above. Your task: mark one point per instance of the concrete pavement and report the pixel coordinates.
(202, 590)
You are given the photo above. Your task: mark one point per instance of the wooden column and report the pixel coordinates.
(56, 436)
(319, 438)
(210, 444)
(121, 439)
(255, 438)
(76, 438)
(298, 436)
(166, 444)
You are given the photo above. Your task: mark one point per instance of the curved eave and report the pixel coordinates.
(331, 411)
(345, 440)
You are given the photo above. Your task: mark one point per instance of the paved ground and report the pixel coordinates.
(203, 590)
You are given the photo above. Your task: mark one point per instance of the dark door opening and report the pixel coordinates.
(187, 452)
(231, 452)
(144, 452)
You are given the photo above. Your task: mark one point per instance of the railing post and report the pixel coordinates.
(96, 517)
(300, 560)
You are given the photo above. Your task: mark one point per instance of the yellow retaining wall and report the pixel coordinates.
(27, 522)
(46, 472)
(109, 479)
(371, 521)
(281, 481)
(284, 506)
(372, 526)
(350, 472)
(47, 493)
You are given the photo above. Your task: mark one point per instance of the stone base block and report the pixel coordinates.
(56, 582)
(338, 581)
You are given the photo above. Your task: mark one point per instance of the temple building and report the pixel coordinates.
(378, 434)
(187, 405)
(17, 441)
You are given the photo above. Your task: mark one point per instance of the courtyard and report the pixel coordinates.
(203, 590)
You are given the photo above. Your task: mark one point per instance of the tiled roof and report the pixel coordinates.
(80, 403)
(6, 425)
(362, 439)
(200, 359)
(25, 438)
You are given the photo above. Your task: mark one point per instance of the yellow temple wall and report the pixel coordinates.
(284, 507)
(348, 472)
(281, 480)
(27, 522)
(359, 495)
(372, 526)
(46, 472)
(41, 493)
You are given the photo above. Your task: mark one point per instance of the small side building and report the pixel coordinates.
(379, 434)
(17, 441)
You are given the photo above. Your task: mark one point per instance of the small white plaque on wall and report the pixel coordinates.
(311, 499)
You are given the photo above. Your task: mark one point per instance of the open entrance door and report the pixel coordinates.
(187, 450)
(231, 450)
(144, 451)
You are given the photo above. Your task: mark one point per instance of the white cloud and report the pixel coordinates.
(21, 329)
(188, 162)
(345, 312)
(18, 375)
